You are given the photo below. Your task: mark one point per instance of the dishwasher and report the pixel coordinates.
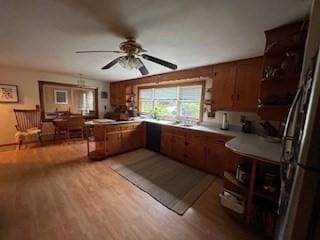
(153, 136)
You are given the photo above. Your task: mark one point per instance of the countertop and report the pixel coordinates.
(246, 144)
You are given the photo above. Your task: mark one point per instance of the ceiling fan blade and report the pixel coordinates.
(159, 61)
(143, 70)
(111, 64)
(98, 51)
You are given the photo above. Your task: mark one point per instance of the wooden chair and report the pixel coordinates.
(28, 124)
(75, 124)
(68, 126)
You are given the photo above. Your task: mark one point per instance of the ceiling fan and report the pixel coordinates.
(131, 60)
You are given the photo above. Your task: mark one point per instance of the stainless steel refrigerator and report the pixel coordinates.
(299, 204)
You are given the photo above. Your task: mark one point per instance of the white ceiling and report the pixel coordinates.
(44, 34)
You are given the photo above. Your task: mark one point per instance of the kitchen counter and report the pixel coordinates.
(250, 145)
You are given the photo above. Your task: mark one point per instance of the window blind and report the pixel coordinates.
(190, 93)
(166, 93)
(146, 94)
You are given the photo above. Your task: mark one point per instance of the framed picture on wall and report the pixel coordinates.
(9, 93)
(104, 95)
(60, 97)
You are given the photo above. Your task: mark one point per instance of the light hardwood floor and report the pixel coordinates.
(55, 192)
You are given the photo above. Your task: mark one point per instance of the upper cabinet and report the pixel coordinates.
(247, 85)
(117, 94)
(223, 84)
(235, 86)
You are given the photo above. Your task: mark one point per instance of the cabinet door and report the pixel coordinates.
(121, 94)
(219, 158)
(249, 73)
(178, 148)
(216, 158)
(223, 84)
(114, 144)
(113, 94)
(196, 150)
(137, 140)
(128, 140)
(166, 143)
(141, 135)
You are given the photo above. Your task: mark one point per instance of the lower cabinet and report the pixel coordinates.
(113, 142)
(205, 151)
(124, 138)
(195, 150)
(218, 156)
(166, 143)
(178, 148)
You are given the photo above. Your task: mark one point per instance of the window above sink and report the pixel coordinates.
(172, 103)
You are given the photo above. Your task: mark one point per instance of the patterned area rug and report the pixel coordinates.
(171, 183)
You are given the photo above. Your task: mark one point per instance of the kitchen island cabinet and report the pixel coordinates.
(113, 138)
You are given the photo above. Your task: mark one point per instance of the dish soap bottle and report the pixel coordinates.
(225, 122)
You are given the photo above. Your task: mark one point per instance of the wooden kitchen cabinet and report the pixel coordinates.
(173, 143)
(195, 150)
(218, 157)
(166, 143)
(178, 148)
(223, 83)
(117, 94)
(123, 137)
(113, 143)
(247, 85)
(113, 94)
(128, 139)
(235, 86)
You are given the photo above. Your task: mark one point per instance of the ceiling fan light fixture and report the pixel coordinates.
(129, 62)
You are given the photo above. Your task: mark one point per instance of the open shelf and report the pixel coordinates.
(230, 177)
(273, 112)
(273, 197)
(292, 77)
(280, 88)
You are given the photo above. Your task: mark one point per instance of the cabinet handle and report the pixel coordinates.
(238, 97)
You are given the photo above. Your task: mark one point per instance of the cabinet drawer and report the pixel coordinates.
(113, 128)
(125, 127)
(218, 138)
(137, 126)
(196, 135)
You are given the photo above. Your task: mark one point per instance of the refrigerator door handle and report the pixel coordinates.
(286, 130)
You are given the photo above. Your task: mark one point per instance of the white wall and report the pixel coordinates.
(27, 82)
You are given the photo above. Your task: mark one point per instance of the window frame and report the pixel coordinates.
(185, 84)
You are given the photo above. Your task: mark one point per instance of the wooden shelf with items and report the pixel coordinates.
(231, 178)
(289, 78)
(273, 197)
(274, 112)
(253, 181)
(282, 65)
